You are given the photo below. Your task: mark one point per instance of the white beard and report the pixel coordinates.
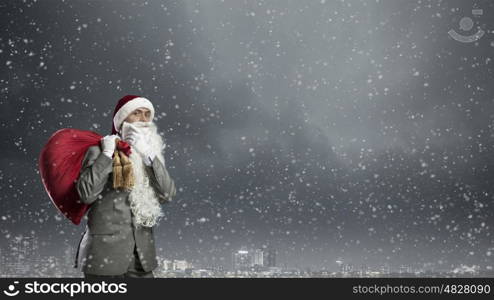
(144, 203)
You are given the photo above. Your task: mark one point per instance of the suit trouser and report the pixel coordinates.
(134, 270)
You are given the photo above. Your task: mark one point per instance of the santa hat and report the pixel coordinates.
(127, 105)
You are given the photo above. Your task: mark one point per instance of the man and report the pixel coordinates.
(119, 238)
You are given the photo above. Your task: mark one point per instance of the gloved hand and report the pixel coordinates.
(130, 133)
(108, 144)
(138, 138)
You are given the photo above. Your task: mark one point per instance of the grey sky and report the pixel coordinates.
(356, 130)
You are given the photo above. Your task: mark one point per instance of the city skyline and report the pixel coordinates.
(24, 260)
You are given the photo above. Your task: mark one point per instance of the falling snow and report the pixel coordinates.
(336, 132)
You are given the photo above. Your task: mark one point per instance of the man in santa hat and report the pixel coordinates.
(119, 238)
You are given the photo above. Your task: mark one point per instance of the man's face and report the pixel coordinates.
(141, 114)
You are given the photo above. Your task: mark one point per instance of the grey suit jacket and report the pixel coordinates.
(107, 245)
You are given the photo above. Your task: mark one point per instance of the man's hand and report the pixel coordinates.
(108, 144)
(130, 133)
(139, 140)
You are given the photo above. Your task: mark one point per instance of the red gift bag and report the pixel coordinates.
(60, 163)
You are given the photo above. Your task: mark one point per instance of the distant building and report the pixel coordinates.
(346, 268)
(385, 269)
(405, 269)
(253, 260)
(466, 270)
(23, 252)
(181, 265)
(175, 265)
(2, 263)
(269, 258)
(258, 257)
(167, 265)
(364, 269)
(243, 259)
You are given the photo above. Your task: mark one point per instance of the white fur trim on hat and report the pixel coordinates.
(129, 107)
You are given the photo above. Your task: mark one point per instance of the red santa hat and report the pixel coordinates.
(127, 105)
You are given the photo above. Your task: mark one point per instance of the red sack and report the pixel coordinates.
(60, 163)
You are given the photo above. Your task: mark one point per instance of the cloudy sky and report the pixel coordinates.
(329, 130)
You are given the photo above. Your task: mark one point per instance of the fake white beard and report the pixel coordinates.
(143, 200)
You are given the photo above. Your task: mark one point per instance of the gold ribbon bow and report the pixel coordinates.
(123, 173)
